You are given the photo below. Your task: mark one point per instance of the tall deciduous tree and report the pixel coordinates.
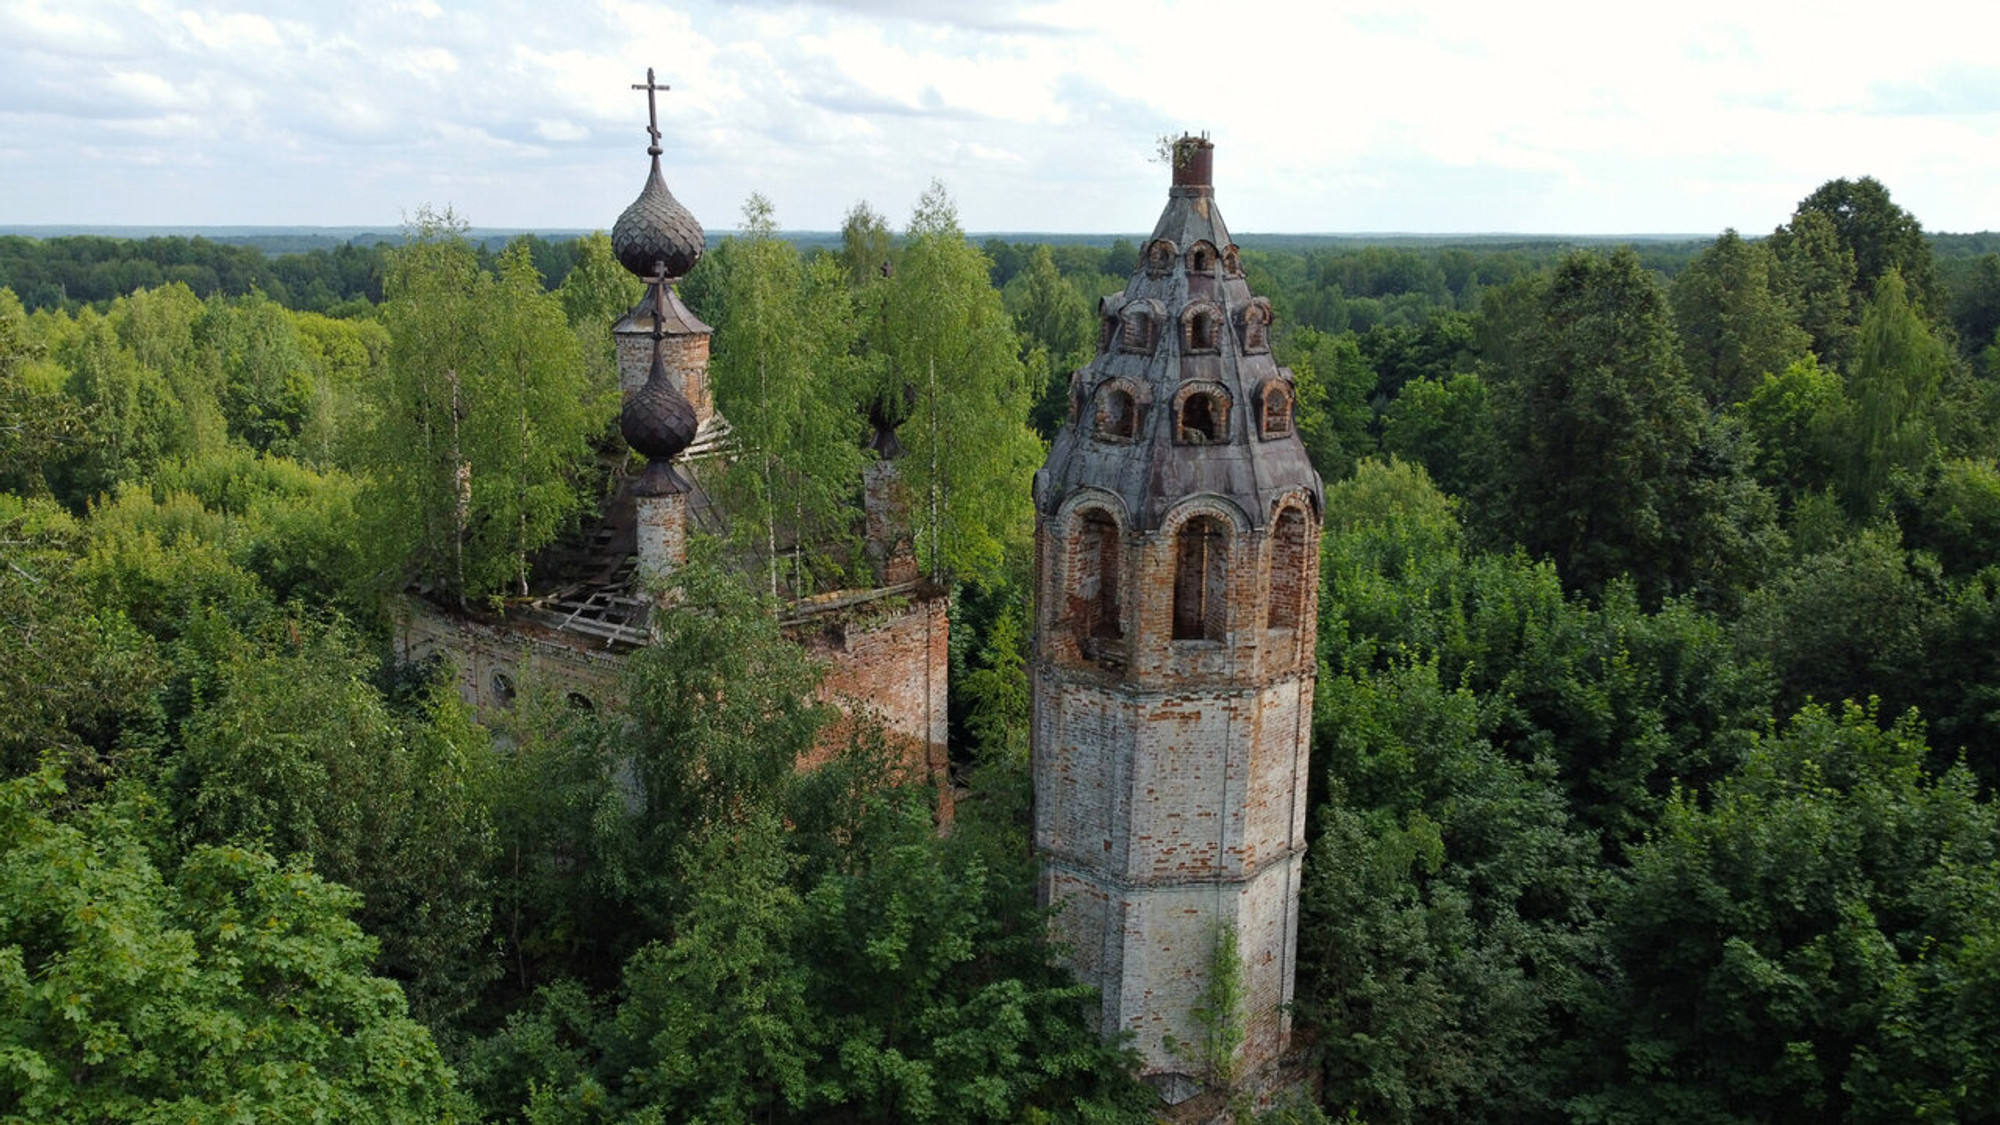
(951, 346)
(1883, 238)
(785, 377)
(1735, 327)
(1054, 321)
(864, 246)
(1894, 394)
(1610, 465)
(483, 421)
(594, 294)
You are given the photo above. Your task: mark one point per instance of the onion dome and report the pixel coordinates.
(656, 235)
(659, 422)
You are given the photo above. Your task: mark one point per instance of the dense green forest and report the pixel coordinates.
(1656, 736)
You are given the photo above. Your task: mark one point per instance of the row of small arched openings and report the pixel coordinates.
(1205, 550)
(1133, 326)
(1201, 411)
(1202, 258)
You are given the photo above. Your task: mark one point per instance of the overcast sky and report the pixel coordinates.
(1609, 116)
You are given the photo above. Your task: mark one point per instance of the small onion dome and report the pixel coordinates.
(656, 235)
(658, 421)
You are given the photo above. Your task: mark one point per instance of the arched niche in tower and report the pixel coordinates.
(1120, 413)
(1160, 255)
(1291, 568)
(1139, 326)
(1201, 413)
(1091, 586)
(1201, 578)
(1109, 321)
(1201, 328)
(1232, 261)
(1201, 257)
(1274, 409)
(1256, 326)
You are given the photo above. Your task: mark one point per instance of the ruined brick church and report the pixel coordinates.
(1176, 547)
(1176, 553)
(883, 644)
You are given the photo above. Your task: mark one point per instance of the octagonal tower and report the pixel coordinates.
(1177, 544)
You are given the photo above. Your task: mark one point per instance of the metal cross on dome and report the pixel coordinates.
(652, 111)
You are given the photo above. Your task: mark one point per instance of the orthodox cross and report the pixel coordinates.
(652, 111)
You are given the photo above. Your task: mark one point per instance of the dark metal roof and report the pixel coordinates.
(1152, 470)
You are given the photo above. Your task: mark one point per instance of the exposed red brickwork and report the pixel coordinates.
(890, 662)
(686, 359)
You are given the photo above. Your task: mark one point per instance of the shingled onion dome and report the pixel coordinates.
(656, 236)
(658, 421)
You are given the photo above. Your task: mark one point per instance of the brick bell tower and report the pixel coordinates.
(1176, 552)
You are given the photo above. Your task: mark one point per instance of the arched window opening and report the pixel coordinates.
(1159, 256)
(1201, 258)
(1277, 410)
(1231, 263)
(1138, 332)
(577, 701)
(1107, 333)
(1201, 331)
(1201, 574)
(1201, 419)
(1117, 414)
(503, 689)
(1095, 563)
(1257, 328)
(1291, 570)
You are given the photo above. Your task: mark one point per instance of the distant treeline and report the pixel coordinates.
(1333, 283)
(74, 271)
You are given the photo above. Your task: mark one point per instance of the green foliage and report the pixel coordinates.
(1219, 1012)
(1881, 237)
(267, 389)
(1058, 333)
(1607, 463)
(1898, 371)
(1818, 278)
(483, 416)
(1797, 418)
(594, 294)
(1333, 384)
(290, 749)
(1618, 701)
(1447, 928)
(785, 377)
(73, 671)
(1811, 942)
(238, 990)
(864, 246)
(1735, 327)
(1447, 427)
(132, 421)
(951, 347)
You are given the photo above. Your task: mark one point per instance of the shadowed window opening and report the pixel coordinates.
(1095, 562)
(1201, 569)
(1138, 333)
(1201, 420)
(1201, 331)
(1117, 415)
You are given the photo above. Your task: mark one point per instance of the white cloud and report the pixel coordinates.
(1457, 114)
